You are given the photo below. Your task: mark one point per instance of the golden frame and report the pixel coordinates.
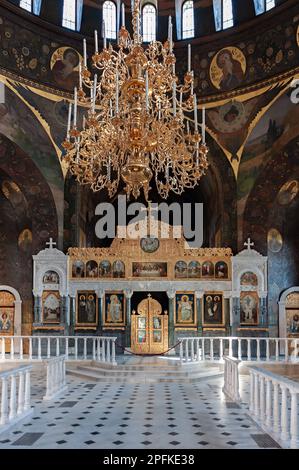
(186, 324)
(45, 295)
(213, 325)
(86, 325)
(256, 296)
(110, 325)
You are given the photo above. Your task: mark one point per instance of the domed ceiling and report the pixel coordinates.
(204, 21)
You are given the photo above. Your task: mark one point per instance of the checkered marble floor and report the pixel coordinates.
(136, 416)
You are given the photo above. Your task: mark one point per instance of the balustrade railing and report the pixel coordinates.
(205, 348)
(274, 405)
(56, 377)
(15, 398)
(231, 378)
(78, 348)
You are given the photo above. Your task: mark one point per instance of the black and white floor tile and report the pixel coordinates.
(136, 416)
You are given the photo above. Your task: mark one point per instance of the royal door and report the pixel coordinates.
(149, 328)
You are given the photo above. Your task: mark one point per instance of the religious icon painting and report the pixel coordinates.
(194, 269)
(157, 336)
(7, 310)
(292, 317)
(141, 336)
(185, 309)
(118, 269)
(105, 269)
(142, 323)
(51, 277)
(249, 279)
(51, 307)
(181, 270)
(114, 309)
(249, 308)
(92, 270)
(78, 269)
(221, 270)
(87, 309)
(213, 314)
(208, 269)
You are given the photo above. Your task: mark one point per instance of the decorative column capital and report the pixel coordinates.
(171, 294)
(128, 293)
(100, 293)
(199, 294)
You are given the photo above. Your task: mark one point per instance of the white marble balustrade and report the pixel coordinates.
(231, 386)
(196, 349)
(56, 377)
(15, 400)
(38, 348)
(274, 405)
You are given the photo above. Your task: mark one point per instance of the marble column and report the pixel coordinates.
(63, 300)
(72, 314)
(263, 310)
(199, 308)
(128, 294)
(100, 294)
(171, 297)
(235, 314)
(227, 313)
(37, 310)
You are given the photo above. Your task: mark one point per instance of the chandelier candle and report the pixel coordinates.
(136, 115)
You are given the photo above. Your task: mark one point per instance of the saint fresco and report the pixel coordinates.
(51, 307)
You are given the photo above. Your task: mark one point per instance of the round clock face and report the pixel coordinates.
(149, 245)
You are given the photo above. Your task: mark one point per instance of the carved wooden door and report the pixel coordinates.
(149, 328)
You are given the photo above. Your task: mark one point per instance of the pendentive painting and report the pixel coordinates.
(213, 314)
(51, 307)
(185, 309)
(249, 308)
(114, 309)
(87, 309)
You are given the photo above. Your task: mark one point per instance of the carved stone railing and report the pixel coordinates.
(231, 386)
(56, 377)
(196, 349)
(274, 405)
(15, 404)
(74, 348)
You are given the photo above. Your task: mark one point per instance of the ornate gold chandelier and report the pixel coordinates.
(137, 118)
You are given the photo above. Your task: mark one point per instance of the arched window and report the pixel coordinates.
(69, 14)
(31, 5)
(270, 4)
(26, 5)
(263, 5)
(72, 14)
(109, 17)
(223, 13)
(188, 20)
(149, 22)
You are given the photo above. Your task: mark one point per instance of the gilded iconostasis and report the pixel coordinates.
(251, 188)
